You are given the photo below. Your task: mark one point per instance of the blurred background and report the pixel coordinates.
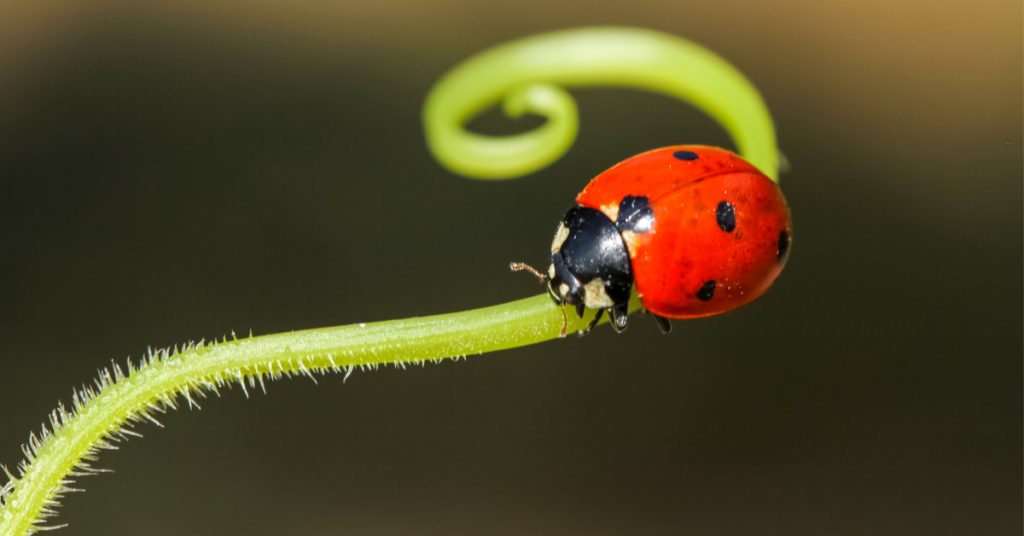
(184, 169)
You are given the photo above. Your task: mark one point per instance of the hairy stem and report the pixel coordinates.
(162, 381)
(521, 73)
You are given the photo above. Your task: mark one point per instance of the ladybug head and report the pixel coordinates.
(590, 264)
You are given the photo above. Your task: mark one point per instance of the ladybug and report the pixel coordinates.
(697, 229)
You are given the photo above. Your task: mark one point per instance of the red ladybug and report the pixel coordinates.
(699, 231)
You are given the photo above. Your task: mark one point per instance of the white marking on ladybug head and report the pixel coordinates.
(560, 235)
(563, 290)
(551, 271)
(595, 296)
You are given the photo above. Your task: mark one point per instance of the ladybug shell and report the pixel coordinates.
(720, 232)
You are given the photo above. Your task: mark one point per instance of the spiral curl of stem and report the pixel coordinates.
(526, 76)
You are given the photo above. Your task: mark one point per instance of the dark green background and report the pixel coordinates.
(182, 171)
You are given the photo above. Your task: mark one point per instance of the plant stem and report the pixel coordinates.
(156, 385)
(526, 74)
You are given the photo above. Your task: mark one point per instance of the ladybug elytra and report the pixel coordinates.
(697, 229)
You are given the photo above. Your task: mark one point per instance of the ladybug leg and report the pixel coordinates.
(565, 321)
(592, 323)
(663, 324)
(619, 314)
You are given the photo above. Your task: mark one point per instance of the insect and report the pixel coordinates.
(697, 229)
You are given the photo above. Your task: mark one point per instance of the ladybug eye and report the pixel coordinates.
(685, 155)
(725, 214)
(707, 291)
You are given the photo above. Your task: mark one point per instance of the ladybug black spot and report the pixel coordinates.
(685, 155)
(725, 214)
(635, 214)
(707, 291)
(783, 244)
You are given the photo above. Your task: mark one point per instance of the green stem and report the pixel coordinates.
(519, 72)
(523, 74)
(249, 362)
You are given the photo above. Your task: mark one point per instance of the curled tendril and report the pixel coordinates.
(527, 77)
(523, 73)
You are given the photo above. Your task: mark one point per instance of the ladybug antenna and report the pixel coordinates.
(523, 267)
